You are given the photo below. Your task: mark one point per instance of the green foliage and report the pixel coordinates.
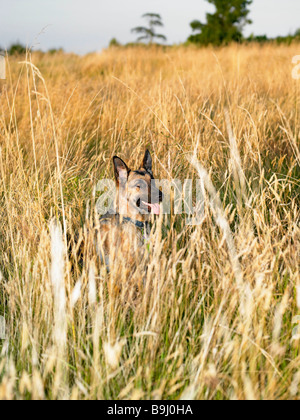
(53, 51)
(17, 49)
(223, 26)
(261, 39)
(288, 39)
(149, 33)
(114, 43)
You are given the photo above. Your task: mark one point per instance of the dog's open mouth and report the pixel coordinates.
(154, 208)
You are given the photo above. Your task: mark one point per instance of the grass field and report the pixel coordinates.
(217, 318)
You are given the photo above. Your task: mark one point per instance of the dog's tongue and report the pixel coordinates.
(155, 208)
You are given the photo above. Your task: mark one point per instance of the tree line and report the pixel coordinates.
(18, 48)
(225, 25)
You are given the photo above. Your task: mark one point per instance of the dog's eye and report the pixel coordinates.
(137, 187)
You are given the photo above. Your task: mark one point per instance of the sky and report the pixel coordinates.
(83, 26)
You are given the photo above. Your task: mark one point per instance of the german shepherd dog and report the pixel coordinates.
(122, 232)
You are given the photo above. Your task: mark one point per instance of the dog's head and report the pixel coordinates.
(138, 195)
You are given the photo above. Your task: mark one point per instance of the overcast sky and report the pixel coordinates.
(82, 26)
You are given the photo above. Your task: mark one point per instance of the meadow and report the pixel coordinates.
(217, 317)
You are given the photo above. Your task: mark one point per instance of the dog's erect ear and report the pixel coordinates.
(147, 162)
(121, 169)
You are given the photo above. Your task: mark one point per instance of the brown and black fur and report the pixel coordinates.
(119, 235)
(122, 234)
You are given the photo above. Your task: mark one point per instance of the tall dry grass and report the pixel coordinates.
(217, 316)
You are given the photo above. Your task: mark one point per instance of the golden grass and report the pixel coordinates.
(215, 320)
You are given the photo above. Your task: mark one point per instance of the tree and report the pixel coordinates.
(53, 51)
(223, 26)
(17, 49)
(114, 43)
(297, 34)
(148, 33)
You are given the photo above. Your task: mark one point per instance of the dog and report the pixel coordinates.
(119, 240)
(123, 231)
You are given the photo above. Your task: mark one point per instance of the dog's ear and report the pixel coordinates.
(121, 169)
(147, 162)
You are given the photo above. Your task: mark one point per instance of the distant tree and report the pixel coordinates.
(53, 51)
(148, 33)
(17, 49)
(114, 43)
(261, 39)
(223, 26)
(297, 34)
(286, 39)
